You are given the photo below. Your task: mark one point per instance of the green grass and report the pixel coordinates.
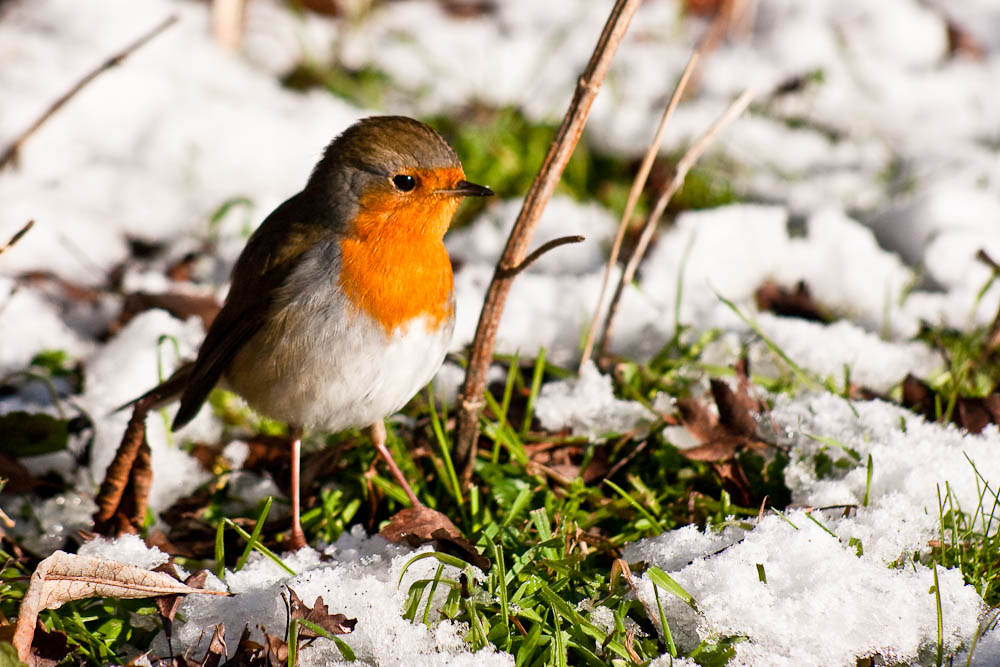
(554, 540)
(970, 538)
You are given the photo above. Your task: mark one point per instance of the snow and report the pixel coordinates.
(876, 184)
(357, 576)
(588, 406)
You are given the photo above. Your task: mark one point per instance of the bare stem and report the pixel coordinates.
(16, 237)
(11, 152)
(633, 198)
(470, 398)
(676, 181)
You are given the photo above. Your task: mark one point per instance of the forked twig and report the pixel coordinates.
(680, 173)
(541, 250)
(11, 152)
(470, 402)
(633, 197)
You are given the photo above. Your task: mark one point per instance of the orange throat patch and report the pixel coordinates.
(394, 266)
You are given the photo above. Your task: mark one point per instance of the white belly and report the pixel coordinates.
(333, 372)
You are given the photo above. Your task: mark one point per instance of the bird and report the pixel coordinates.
(341, 305)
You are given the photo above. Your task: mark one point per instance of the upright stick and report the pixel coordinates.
(470, 402)
(676, 181)
(633, 197)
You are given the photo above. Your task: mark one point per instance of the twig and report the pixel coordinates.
(633, 197)
(541, 250)
(470, 399)
(16, 237)
(680, 173)
(11, 152)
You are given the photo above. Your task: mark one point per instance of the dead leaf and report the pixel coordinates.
(790, 303)
(961, 42)
(737, 409)
(335, 624)
(73, 291)
(420, 525)
(179, 304)
(972, 413)
(48, 649)
(467, 9)
(18, 478)
(216, 650)
(63, 577)
(121, 501)
(248, 653)
(168, 605)
(275, 649)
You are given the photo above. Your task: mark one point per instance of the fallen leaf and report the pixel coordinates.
(467, 9)
(790, 303)
(248, 653)
(121, 501)
(420, 525)
(216, 650)
(961, 42)
(168, 605)
(737, 409)
(179, 304)
(335, 624)
(63, 577)
(48, 649)
(73, 291)
(972, 413)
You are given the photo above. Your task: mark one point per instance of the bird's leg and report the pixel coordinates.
(298, 538)
(377, 433)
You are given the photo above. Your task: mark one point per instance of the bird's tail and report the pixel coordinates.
(167, 391)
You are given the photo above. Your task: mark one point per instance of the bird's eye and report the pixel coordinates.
(404, 182)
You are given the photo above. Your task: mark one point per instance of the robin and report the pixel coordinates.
(341, 305)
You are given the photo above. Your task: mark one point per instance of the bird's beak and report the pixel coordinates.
(467, 189)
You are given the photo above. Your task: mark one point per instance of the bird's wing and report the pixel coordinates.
(262, 268)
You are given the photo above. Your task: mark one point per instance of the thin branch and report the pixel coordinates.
(16, 237)
(11, 152)
(676, 181)
(470, 398)
(541, 250)
(633, 197)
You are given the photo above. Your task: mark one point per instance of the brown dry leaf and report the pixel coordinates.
(179, 304)
(73, 291)
(121, 502)
(737, 409)
(468, 9)
(961, 42)
(420, 525)
(971, 412)
(275, 649)
(63, 577)
(168, 605)
(736, 425)
(335, 624)
(18, 478)
(735, 481)
(248, 653)
(48, 649)
(217, 649)
(790, 303)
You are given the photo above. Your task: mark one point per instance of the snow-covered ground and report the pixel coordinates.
(888, 153)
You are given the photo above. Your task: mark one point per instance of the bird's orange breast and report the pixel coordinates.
(394, 266)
